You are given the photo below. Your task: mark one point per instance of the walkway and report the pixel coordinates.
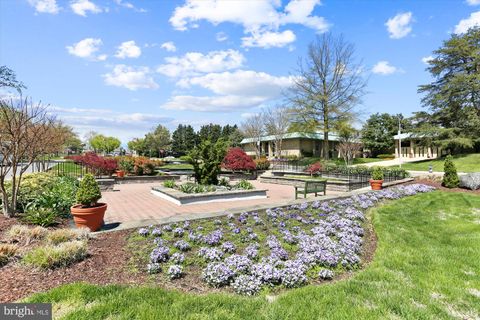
(133, 203)
(393, 162)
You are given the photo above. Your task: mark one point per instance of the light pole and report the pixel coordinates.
(400, 140)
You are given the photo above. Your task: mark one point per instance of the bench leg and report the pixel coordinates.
(315, 194)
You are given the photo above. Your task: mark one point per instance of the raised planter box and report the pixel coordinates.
(145, 179)
(180, 198)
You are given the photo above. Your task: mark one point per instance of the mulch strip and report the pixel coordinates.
(438, 185)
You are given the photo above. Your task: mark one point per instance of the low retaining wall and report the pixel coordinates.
(145, 179)
(180, 198)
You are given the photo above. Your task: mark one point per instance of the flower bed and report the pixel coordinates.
(224, 185)
(282, 247)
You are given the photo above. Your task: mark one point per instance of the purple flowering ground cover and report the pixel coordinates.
(263, 251)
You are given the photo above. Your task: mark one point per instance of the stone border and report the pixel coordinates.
(145, 179)
(207, 215)
(180, 198)
(332, 185)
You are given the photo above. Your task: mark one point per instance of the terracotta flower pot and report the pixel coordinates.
(376, 184)
(91, 217)
(120, 173)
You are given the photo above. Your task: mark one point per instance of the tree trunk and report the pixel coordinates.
(326, 146)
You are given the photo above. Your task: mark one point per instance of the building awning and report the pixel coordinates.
(294, 135)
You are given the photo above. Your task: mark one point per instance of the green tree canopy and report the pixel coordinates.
(184, 139)
(453, 97)
(101, 143)
(8, 79)
(378, 131)
(158, 141)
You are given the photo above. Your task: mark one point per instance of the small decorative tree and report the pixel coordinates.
(206, 159)
(237, 160)
(88, 192)
(450, 177)
(314, 168)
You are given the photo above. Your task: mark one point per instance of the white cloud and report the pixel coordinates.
(240, 82)
(132, 78)
(122, 125)
(45, 6)
(128, 49)
(221, 36)
(212, 103)
(196, 62)
(384, 68)
(473, 2)
(400, 25)
(260, 16)
(86, 49)
(269, 39)
(465, 24)
(129, 5)
(169, 46)
(241, 89)
(426, 60)
(81, 7)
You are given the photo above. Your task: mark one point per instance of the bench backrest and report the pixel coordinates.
(315, 186)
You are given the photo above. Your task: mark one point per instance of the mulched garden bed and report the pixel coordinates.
(107, 264)
(438, 184)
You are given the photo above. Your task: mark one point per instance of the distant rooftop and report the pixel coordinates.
(295, 135)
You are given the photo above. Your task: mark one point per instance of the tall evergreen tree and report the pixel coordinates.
(453, 97)
(184, 139)
(211, 132)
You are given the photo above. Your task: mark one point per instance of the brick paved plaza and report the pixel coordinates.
(134, 202)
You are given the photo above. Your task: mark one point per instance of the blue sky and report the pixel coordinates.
(120, 67)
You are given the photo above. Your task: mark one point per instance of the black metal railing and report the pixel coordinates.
(72, 169)
(355, 177)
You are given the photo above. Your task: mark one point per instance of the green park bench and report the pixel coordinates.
(311, 187)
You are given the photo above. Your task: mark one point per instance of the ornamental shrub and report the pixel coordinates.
(97, 164)
(88, 192)
(377, 173)
(237, 160)
(314, 168)
(206, 160)
(450, 177)
(262, 164)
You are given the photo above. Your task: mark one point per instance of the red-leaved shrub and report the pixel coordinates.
(237, 160)
(96, 164)
(314, 168)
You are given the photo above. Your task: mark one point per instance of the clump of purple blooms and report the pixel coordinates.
(229, 247)
(326, 274)
(247, 285)
(143, 232)
(217, 274)
(177, 258)
(175, 271)
(153, 268)
(178, 232)
(160, 254)
(210, 254)
(321, 235)
(182, 245)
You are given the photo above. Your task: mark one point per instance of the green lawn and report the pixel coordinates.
(463, 162)
(340, 161)
(426, 267)
(180, 166)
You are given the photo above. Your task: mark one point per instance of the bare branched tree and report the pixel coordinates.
(277, 122)
(349, 143)
(253, 128)
(25, 135)
(328, 87)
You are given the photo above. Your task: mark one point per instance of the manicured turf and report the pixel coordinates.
(68, 168)
(463, 162)
(426, 267)
(179, 166)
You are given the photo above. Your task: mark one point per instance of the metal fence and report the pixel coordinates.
(354, 177)
(69, 168)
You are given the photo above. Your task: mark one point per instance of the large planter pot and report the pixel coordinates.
(91, 217)
(376, 184)
(120, 173)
